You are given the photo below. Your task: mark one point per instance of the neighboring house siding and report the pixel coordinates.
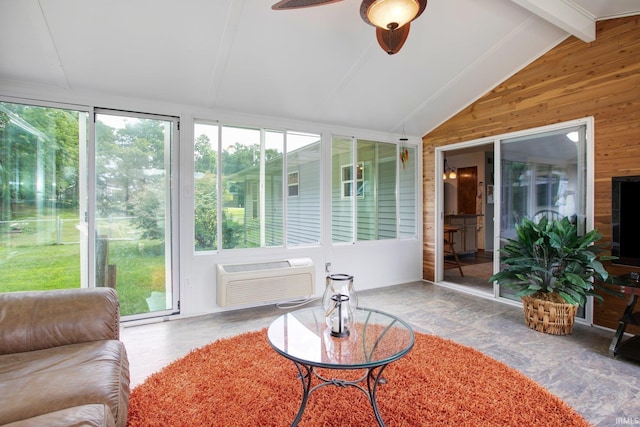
(377, 209)
(367, 227)
(274, 213)
(407, 198)
(387, 215)
(303, 211)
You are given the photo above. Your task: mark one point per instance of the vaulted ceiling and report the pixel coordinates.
(319, 64)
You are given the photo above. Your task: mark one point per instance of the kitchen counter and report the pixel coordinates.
(466, 240)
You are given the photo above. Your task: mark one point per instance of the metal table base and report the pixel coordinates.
(373, 377)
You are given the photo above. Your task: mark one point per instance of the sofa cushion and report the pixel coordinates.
(37, 382)
(78, 416)
(41, 319)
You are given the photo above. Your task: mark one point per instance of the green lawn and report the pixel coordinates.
(235, 214)
(39, 267)
(41, 251)
(140, 269)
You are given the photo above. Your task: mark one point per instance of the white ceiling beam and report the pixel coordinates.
(564, 14)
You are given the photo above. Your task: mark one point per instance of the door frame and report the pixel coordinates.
(440, 154)
(172, 259)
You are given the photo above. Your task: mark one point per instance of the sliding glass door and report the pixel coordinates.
(85, 206)
(133, 245)
(543, 174)
(527, 174)
(40, 202)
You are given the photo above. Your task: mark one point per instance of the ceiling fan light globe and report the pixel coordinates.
(392, 14)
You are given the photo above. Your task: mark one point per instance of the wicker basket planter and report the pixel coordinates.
(555, 269)
(548, 316)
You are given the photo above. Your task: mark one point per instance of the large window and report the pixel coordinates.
(262, 188)
(252, 184)
(377, 214)
(250, 177)
(304, 201)
(371, 193)
(205, 188)
(407, 201)
(342, 194)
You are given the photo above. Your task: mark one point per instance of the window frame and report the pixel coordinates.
(291, 185)
(359, 181)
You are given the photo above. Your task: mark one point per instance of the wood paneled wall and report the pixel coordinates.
(572, 81)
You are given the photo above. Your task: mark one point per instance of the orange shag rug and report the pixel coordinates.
(242, 381)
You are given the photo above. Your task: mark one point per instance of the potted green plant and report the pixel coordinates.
(553, 270)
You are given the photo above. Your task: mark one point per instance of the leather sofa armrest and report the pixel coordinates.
(37, 320)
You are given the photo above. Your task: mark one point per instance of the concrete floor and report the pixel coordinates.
(575, 368)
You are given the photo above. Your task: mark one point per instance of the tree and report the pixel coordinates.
(149, 214)
(205, 213)
(240, 157)
(38, 141)
(206, 158)
(127, 160)
(67, 157)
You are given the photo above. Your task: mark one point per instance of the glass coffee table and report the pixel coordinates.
(375, 340)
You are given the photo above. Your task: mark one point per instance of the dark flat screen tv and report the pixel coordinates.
(625, 220)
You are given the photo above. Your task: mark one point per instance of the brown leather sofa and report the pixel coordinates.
(61, 361)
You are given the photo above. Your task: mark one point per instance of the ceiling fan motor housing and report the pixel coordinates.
(392, 18)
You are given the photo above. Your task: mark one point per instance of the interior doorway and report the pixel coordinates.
(467, 218)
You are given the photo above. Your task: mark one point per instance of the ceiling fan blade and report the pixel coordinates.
(392, 40)
(299, 4)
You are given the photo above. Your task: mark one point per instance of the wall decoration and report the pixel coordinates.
(489, 194)
(404, 156)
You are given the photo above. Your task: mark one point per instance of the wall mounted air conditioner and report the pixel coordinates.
(262, 282)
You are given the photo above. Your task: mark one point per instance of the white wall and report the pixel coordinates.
(373, 263)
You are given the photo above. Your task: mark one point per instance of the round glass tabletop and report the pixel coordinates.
(375, 338)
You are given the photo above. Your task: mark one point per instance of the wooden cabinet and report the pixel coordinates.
(631, 346)
(466, 239)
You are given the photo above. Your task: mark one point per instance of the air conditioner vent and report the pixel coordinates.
(262, 282)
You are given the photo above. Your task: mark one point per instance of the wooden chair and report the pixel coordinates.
(550, 214)
(449, 248)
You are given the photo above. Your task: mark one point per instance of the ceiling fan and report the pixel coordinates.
(392, 18)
